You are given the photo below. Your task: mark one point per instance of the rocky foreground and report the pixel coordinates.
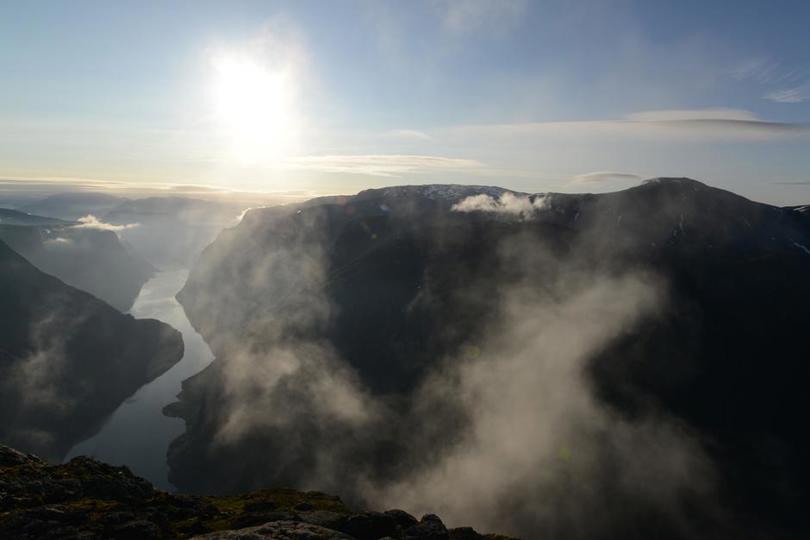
(86, 499)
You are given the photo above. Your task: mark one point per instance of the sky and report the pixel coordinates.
(338, 96)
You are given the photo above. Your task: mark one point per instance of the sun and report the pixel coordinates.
(254, 105)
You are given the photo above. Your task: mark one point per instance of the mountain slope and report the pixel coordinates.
(14, 217)
(67, 360)
(89, 259)
(645, 348)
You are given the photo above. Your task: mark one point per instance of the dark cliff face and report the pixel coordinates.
(91, 260)
(67, 360)
(385, 289)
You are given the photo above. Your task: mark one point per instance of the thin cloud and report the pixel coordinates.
(382, 164)
(466, 16)
(761, 70)
(676, 115)
(766, 71)
(798, 94)
(604, 176)
(722, 124)
(793, 80)
(191, 188)
(412, 134)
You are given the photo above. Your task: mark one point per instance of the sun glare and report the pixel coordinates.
(254, 105)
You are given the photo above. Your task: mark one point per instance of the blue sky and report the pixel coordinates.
(337, 96)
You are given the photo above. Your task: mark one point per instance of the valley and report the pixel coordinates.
(138, 434)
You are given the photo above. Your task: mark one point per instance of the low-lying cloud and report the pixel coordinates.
(385, 165)
(33, 387)
(508, 203)
(58, 241)
(539, 452)
(92, 222)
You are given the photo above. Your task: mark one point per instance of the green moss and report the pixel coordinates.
(82, 495)
(278, 499)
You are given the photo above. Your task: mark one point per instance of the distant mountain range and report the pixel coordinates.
(90, 259)
(631, 364)
(172, 231)
(72, 206)
(119, 243)
(169, 232)
(14, 217)
(68, 360)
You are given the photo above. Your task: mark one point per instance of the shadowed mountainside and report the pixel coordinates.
(14, 217)
(89, 259)
(67, 360)
(646, 348)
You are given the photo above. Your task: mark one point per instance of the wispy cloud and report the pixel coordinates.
(381, 164)
(412, 134)
(676, 115)
(767, 71)
(794, 81)
(720, 123)
(604, 176)
(50, 184)
(467, 16)
(797, 94)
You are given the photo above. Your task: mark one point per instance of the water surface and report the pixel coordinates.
(137, 434)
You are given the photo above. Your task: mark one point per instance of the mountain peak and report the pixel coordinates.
(688, 188)
(673, 182)
(682, 180)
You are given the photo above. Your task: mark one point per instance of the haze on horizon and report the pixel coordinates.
(308, 98)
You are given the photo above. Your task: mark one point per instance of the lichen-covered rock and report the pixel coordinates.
(370, 526)
(89, 500)
(402, 518)
(278, 530)
(429, 528)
